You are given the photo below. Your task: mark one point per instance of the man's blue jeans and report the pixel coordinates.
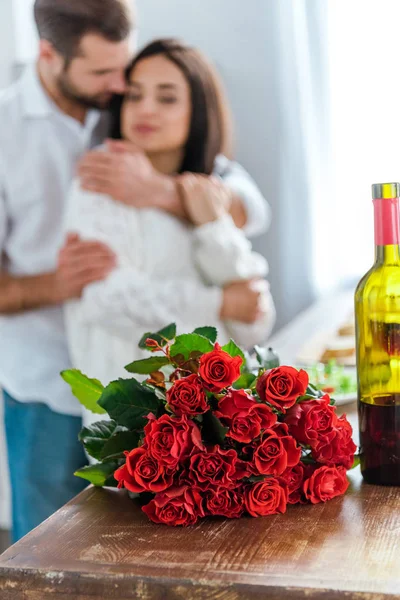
(43, 454)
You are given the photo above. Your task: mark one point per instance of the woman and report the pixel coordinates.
(167, 269)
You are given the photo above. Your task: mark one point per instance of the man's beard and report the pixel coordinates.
(100, 101)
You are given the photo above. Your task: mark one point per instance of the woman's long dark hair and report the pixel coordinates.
(210, 128)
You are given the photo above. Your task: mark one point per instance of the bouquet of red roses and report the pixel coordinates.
(205, 435)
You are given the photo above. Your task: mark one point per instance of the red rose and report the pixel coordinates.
(312, 421)
(339, 450)
(225, 503)
(267, 497)
(244, 416)
(276, 452)
(142, 473)
(282, 386)
(218, 369)
(294, 478)
(176, 506)
(171, 440)
(325, 483)
(187, 397)
(214, 467)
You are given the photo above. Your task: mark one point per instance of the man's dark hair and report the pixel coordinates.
(64, 22)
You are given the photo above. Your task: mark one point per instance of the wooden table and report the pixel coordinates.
(101, 546)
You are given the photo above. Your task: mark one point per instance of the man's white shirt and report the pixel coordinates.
(39, 150)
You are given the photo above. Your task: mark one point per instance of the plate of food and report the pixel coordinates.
(334, 379)
(325, 347)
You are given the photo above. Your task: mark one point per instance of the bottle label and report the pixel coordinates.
(386, 222)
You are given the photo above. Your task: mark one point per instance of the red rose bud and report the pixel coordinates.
(245, 417)
(150, 343)
(218, 369)
(325, 483)
(187, 397)
(282, 386)
(312, 421)
(268, 497)
(176, 506)
(142, 473)
(170, 440)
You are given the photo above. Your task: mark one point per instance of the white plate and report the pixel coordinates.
(341, 399)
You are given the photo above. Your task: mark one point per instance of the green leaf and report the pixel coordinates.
(119, 443)
(308, 460)
(106, 439)
(313, 391)
(162, 337)
(210, 333)
(233, 350)
(306, 397)
(88, 391)
(356, 461)
(147, 365)
(128, 402)
(95, 437)
(99, 474)
(245, 381)
(256, 478)
(187, 343)
(111, 481)
(213, 430)
(266, 357)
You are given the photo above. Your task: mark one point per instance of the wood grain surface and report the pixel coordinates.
(101, 546)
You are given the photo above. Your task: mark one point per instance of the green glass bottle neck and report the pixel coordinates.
(387, 255)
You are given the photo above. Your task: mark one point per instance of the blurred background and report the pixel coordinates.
(313, 86)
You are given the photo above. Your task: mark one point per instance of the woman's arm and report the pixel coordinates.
(257, 333)
(221, 251)
(223, 254)
(247, 195)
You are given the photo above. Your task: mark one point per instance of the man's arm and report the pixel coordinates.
(80, 263)
(126, 174)
(18, 294)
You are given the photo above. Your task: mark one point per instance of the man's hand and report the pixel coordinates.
(243, 301)
(125, 173)
(79, 264)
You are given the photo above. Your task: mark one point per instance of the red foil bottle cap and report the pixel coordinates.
(386, 209)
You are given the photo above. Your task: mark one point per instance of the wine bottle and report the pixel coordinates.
(377, 311)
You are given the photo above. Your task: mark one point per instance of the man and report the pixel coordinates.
(50, 118)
